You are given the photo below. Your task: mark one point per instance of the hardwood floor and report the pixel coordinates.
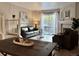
(63, 52)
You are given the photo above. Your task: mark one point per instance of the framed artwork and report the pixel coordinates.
(67, 13)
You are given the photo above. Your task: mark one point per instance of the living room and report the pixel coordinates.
(33, 20)
(34, 16)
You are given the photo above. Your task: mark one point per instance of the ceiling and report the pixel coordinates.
(41, 5)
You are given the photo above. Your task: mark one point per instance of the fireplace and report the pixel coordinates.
(65, 26)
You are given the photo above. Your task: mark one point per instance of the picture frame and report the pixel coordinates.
(67, 13)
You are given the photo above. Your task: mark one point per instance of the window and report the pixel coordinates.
(48, 23)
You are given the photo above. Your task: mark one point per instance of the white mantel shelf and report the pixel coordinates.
(66, 22)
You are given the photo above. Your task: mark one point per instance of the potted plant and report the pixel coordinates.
(75, 24)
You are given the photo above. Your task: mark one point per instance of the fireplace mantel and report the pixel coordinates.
(65, 24)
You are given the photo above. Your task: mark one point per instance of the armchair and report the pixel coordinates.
(67, 40)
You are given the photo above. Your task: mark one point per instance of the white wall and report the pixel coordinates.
(36, 18)
(9, 10)
(77, 10)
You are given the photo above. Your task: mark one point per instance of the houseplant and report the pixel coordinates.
(75, 24)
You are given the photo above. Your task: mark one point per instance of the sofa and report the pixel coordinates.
(67, 40)
(29, 31)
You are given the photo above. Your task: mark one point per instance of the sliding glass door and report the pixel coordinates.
(49, 23)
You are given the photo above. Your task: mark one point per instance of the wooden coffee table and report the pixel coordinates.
(39, 48)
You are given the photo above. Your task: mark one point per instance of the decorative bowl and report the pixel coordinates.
(24, 43)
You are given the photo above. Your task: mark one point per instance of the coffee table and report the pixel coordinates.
(40, 48)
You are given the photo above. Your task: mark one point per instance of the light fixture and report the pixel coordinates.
(13, 16)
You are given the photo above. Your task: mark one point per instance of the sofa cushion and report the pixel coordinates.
(25, 29)
(29, 32)
(31, 28)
